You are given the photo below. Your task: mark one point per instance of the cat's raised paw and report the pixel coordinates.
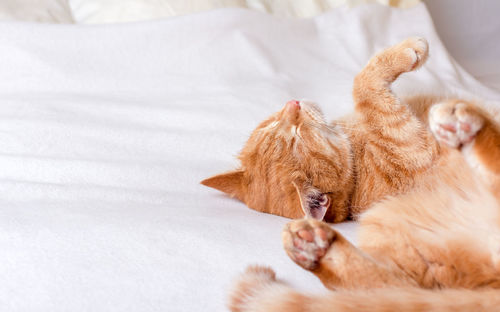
(387, 65)
(455, 123)
(406, 56)
(411, 53)
(306, 241)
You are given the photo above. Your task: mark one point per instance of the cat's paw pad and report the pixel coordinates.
(455, 123)
(306, 241)
(248, 285)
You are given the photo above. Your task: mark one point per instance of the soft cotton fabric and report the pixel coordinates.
(41, 11)
(114, 11)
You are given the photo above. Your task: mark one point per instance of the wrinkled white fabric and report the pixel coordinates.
(106, 132)
(113, 11)
(42, 11)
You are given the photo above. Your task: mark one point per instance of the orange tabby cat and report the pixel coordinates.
(431, 238)
(295, 163)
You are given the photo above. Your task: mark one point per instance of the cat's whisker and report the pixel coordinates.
(322, 126)
(298, 133)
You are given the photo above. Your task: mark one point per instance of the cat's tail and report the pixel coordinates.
(258, 290)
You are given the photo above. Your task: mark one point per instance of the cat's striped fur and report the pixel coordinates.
(428, 169)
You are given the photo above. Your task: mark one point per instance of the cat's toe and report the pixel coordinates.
(307, 241)
(417, 50)
(421, 48)
(469, 121)
(403, 57)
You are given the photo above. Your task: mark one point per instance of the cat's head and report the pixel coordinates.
(293, 164)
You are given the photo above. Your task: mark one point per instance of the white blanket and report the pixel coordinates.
(106, 132)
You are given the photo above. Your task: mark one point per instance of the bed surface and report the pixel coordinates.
(106, 132)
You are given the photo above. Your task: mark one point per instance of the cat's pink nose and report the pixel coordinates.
(293, 105)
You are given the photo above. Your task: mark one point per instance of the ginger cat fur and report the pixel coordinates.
(295, 163)
(428, 169)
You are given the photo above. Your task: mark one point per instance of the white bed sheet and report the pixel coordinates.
(470, 30)
(106, 132)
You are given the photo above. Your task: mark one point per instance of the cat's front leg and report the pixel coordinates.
(396, 145)
(318, 248)
(386, 66)
(307, 241)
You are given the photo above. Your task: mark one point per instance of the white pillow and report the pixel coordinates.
(112, 11)
(310, 8)
(43, 11)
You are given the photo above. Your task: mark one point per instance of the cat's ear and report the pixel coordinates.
(314, 203)
(230, 183)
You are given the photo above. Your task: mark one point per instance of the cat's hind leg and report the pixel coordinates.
(455, 123)
(258, 290)
(463, 125)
